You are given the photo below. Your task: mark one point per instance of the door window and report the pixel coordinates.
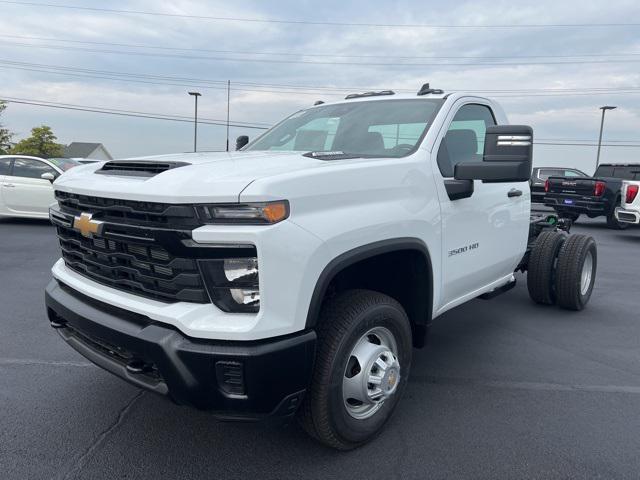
(29, 168)
(464, 140)
(5, 166)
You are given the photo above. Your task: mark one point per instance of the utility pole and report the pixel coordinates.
(195, 121)
(604, 109)
(228, 107)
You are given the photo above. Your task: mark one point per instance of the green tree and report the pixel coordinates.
(41, 143)
(5, 134)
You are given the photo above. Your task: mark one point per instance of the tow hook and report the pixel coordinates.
(56, 324)
(137, 366)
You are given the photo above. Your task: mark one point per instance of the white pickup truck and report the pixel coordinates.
(295, 276)
(629, 209)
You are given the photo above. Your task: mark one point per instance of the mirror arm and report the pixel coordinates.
(458, 189)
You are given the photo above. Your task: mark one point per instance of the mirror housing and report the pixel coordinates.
(508, 156)
(241, 141)
(48, 176)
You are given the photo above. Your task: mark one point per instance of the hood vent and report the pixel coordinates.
(138, 168)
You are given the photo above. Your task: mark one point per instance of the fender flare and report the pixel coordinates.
(358, 254)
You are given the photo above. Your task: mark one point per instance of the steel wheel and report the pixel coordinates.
(363, 338)
(587, 272)
(576, 271)
(372, 373)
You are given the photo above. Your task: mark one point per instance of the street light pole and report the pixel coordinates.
(604, 109)
(195, 121)
(228, 105)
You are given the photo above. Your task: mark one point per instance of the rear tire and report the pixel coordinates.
(541, 268)
(357, 329)
(576, 271)
(612, 221)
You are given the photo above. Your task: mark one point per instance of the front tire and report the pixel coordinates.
(361, 370)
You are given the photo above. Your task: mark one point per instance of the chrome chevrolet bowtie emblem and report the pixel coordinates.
(86, 225)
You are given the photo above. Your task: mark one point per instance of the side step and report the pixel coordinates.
(498, 291)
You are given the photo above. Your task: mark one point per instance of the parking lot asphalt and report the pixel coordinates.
(505, 389)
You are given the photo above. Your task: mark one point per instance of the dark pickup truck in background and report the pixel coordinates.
(539, 176)
(596, 196)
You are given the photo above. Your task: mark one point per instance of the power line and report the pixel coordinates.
(308, 62)
(123, 113)
(133, 80)
(587, 144)
(297, 90)
(307, 54)
(179, 118)
(320, 23)
(587, 141)
(317, 89)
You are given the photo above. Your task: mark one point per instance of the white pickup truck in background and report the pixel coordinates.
(295, 276)
(629, 210)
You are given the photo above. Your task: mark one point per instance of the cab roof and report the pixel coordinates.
(380, 97)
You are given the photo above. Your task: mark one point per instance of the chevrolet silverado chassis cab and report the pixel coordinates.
(297, 275)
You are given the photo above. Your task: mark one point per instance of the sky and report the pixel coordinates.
(550, 64)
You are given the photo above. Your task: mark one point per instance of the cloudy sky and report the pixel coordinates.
(552, 64)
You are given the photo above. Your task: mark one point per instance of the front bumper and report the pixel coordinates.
(627, 216)
(234, 380)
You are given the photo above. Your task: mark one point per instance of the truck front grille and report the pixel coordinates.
(150, 214)
(146, 270)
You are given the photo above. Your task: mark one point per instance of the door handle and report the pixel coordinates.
(514, 193)
(8, 185)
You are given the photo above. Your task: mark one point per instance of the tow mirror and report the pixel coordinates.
(241, 141)
(508, 156)
(48, 176)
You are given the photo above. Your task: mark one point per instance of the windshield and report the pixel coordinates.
(64, 164)
(385, 128)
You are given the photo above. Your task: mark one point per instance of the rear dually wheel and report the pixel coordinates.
(576, 272)
(541, 267)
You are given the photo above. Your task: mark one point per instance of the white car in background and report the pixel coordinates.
(25, 184)
(629, 211)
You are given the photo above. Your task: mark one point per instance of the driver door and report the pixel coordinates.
(484, 235)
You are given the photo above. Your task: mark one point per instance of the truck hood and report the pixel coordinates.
(207, 177)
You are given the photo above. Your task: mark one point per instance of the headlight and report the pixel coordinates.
(244, 213)
(232, 283)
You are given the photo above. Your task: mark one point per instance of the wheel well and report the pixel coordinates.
(403, 272)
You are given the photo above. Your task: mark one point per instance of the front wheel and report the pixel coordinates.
(362, 366)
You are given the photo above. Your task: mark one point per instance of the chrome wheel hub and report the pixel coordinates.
(372, 374)
(587, 272)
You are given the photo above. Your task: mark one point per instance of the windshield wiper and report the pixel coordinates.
(330, 155)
